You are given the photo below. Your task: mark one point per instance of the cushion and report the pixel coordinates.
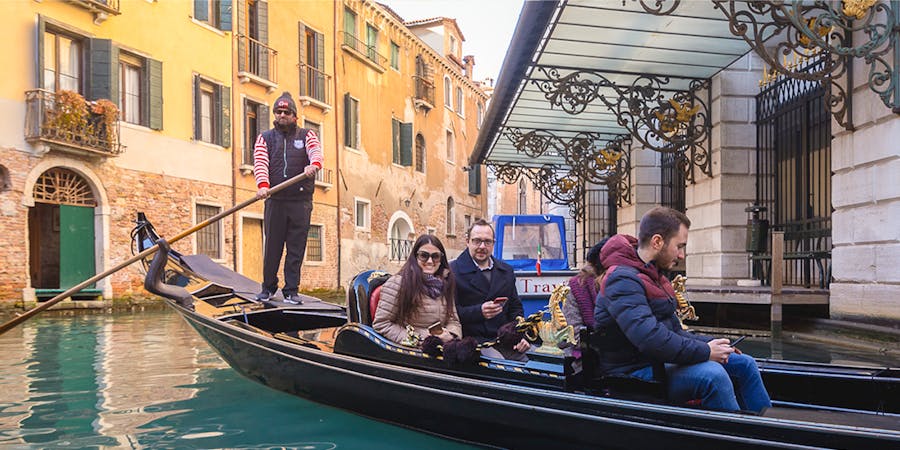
(373, 302)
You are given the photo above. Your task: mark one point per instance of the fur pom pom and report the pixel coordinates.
(431, 346)
(507, 336)
(460, 351)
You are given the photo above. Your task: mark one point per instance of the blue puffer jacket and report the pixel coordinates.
(635, 317)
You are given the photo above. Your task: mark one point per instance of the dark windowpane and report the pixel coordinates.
(314, 244)
(209, 238)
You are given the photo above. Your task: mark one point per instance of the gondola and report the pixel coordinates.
(331, 355)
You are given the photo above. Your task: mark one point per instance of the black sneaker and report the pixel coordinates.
(264, 296)
(293, 299)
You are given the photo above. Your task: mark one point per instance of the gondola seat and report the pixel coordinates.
(373, 302)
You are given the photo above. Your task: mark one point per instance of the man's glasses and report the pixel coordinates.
(284, 112)
(485, 242)
(425, 256)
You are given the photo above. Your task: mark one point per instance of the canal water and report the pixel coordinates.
(147, 380)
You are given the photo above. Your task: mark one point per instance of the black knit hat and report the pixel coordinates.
(285, 102)
(593, 255)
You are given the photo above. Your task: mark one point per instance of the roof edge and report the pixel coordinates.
(525, 41)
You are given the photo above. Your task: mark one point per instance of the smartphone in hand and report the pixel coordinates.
(436, 329)
(737, 341)
(500, 300)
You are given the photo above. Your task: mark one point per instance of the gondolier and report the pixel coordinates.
(281, 153)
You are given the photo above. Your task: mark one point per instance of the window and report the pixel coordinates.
(314, 244)
(451, 216)
(459, 101)
(62, 62)
(316, 127)
(130, 101)
(212, 112)
(448, 89)
(475, 180)
(212, 12)
(453, 45)
(523, 204)
(400, 241)
(312, 64)
(395, 140)
(207, 95)
(395, 56)
(371, 42)
(350, 27)
(209, 238)
(420, 153)
(479, 114)
(467, 219)
(256, 120)
(351, 121)
(362, 214)
(451, 146)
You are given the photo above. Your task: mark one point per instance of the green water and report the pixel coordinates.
(147, 380)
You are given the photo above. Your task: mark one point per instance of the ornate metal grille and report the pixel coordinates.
(672, 183)
(600, 216)
(63, 187)
(793, 178)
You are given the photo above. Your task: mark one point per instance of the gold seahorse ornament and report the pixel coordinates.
(684, 311)
(551, 333)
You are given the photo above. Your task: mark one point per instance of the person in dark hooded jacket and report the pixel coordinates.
(639, 332)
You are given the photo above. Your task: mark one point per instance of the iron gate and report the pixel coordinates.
(672, 182)
(600, 219)
(793, 180)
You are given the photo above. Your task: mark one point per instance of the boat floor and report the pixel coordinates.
(862, 420)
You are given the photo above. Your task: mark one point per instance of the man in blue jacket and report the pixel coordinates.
(638, 330)
(486, 296)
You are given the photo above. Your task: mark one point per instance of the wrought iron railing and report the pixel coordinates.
(107, 6)
(424, 89)
(67, 120)
(256, 58)
(400, 249)
(315, 84)
(324, 176)
(369, 51)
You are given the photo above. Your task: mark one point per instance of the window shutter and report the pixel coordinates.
(224, 101)
(103, 69)
(406, 144)
(320, 53)
(304, 72)
(225, 15)
(475, 180)
(201, 10)
(348, 135)
(154, 94)
(39, 44)
(262, 118)
(196, 107)
(262, 21)
(242, 31)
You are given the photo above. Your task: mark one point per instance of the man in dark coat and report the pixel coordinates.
(638, 330)
(486, 296)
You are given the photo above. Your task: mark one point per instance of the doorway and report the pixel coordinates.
(252, 248)
(61, 234)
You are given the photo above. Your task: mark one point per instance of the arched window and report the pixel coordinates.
(420, 153)
(5, 182)
(451, 216)
(448, 92)
(459, 101)
(400, 237)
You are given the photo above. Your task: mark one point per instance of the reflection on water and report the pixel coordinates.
(148, 380)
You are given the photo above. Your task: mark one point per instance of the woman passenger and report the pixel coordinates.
(583, 289)
(420, 295)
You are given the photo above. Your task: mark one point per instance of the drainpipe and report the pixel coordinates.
(337, 140)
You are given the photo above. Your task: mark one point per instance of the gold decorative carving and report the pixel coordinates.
(554, 332)
(685, 311)
(857, 8)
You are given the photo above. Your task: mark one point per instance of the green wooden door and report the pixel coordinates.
(76, 245)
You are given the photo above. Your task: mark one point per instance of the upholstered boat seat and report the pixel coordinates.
(373, 302)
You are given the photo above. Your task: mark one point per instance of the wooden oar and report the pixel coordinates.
(74, 289)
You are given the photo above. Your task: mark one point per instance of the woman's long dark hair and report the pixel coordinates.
(412, 286)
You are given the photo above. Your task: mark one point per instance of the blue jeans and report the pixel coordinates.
(714, 384)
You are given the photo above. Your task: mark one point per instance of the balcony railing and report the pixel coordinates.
(424, 90)
(400, 249)
(324, 176)
(256, 58)
(66, 121)
(315, 84)
(370, 52)
(100, 8)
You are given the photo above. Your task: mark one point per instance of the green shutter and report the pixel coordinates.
(154, 94)
(225, 15)
(304, 71)
(103, 65)
(39, 56)
(197, 128)
(406, 139)
(262, 25)
(201, 10)
(241, 43)
(224, 108)
(348, 135)
(475, 180)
